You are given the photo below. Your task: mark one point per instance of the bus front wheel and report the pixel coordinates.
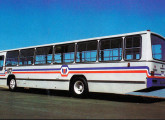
(79, 87)
(12, 85)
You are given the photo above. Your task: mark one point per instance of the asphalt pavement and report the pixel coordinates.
(51, 104)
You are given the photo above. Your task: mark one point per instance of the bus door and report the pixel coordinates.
(2, 64)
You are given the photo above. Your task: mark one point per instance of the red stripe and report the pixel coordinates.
(156, 77)
(137, 71)
(133, 71)
(2, 75)
(36, 72)
(74, 72)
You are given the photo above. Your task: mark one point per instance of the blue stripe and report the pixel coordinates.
(36, 69)
(94, 68)
(88, 68)
(109, 68)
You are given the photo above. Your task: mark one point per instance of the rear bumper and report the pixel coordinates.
(155, 82)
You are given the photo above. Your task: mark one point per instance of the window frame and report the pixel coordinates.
(33, 57)
(151, 46)
(109, 40)
(124, 49)
(97, 49)
(35, 51)
(63, 52)
(17, 59)
(3, 62)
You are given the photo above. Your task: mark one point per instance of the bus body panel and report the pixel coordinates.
(3, 81)
(158, 79)
(107, 77)
(119, 88)
(44, 84)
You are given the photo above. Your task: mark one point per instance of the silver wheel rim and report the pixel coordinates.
(79, 87)
(12, 84)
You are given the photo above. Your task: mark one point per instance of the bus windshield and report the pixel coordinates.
(158, 47)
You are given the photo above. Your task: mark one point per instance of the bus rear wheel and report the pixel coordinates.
(79, 87)
(12, 85)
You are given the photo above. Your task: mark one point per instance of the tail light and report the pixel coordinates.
(152, 73)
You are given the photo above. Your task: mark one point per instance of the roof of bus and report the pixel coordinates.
(81, 40)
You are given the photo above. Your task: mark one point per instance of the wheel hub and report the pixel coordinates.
(79, 87)
(12, 84)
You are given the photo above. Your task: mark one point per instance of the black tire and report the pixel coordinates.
(12, 85)
(79, 87)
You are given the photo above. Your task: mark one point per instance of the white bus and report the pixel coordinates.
(111, 64)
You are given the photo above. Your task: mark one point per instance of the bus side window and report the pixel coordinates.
(1, 62)
(86, 51)
(26, 56)
(64, 53)
(69, 51)
(12, 58)
(110, 49)
(44, 55)
(132, 48)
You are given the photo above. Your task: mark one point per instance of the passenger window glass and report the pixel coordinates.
(158, 47)
(12, 58)
(1, 62)
(136, 42)
(64, 53)
(129, 43)
(110, 49)
(26, 57)
(44, 55)
(132, 48)
(86, 51)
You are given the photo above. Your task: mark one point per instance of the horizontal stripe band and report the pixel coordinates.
(36, 69)
(96, 81)
(115, 81)
(61, 80)
(92, 68)
(136, 71)
(156, 77)
(131, 71)
(44, 72)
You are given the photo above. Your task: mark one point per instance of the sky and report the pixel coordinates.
(25, 23)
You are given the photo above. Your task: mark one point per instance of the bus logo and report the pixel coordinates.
(64, 70)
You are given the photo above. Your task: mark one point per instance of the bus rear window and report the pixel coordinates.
(158, 47)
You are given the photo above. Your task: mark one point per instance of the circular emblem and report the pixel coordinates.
(64, 70)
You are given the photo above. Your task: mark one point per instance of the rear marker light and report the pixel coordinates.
(128, 65)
